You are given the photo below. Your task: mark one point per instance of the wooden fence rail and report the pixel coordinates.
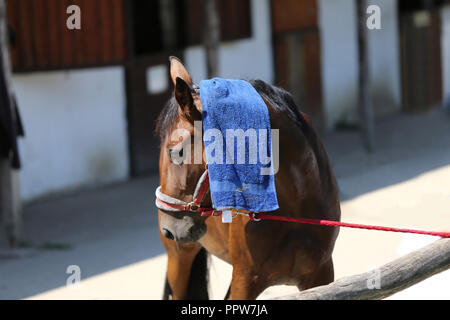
(385, 280)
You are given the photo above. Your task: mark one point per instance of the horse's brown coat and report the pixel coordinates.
(262, 253)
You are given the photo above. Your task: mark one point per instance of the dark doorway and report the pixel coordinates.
(420, 54)
(154, 34)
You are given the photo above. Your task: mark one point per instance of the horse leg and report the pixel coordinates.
(167, 290)
(245, 285)
(227, 296)
(322, 276)
(186, 272)
(198, 281)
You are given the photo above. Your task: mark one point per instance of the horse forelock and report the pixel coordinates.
(169, 115)
(167, 118)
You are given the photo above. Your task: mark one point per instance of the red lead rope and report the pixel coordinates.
(264, 216)
(256, 216)
(195, 206)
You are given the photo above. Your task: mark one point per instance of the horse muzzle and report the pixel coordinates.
(182, 229)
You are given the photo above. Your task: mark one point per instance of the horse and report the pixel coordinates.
(263, 253)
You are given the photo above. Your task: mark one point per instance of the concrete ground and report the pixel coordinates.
(111, 233)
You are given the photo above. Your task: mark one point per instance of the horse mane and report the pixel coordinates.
(279, 99)
(167, 118)
(282, 101)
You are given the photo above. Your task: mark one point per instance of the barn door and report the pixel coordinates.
(297, 53)
(420, 54)
(153, 35)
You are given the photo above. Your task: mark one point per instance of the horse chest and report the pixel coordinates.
(215, 240)
(213, 248)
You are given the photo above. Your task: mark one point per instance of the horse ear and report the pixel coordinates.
(184, 97)
(178, 70)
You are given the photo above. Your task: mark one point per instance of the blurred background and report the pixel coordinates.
(81, 160)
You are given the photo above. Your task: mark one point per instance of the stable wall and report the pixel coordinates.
(75, 127)
(338, 27)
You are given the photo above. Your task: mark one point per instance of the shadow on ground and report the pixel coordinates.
(97, 230)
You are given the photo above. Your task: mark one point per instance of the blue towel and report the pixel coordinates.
(230, 105)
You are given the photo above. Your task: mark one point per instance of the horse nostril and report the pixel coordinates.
(166, 233)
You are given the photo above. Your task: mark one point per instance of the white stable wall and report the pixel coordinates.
(338, 27)
(75, 127)
(337, 23)
(384, 55)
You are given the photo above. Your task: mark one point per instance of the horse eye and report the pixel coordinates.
(176, 155)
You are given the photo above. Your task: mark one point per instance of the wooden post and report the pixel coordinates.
(386, 280)
(10, 206)
(211, 37)
(364, 95)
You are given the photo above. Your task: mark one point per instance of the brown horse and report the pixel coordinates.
(263, 253)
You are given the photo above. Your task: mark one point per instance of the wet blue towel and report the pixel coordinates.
(235, 104)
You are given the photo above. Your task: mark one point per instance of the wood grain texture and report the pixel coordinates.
(294, 15)
(394, 276)
(43, 41)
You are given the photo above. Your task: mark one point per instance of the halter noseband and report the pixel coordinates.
(170, 204)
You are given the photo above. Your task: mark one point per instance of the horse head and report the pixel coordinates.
(182, 161)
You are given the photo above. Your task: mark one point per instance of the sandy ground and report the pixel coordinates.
(111, 233)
